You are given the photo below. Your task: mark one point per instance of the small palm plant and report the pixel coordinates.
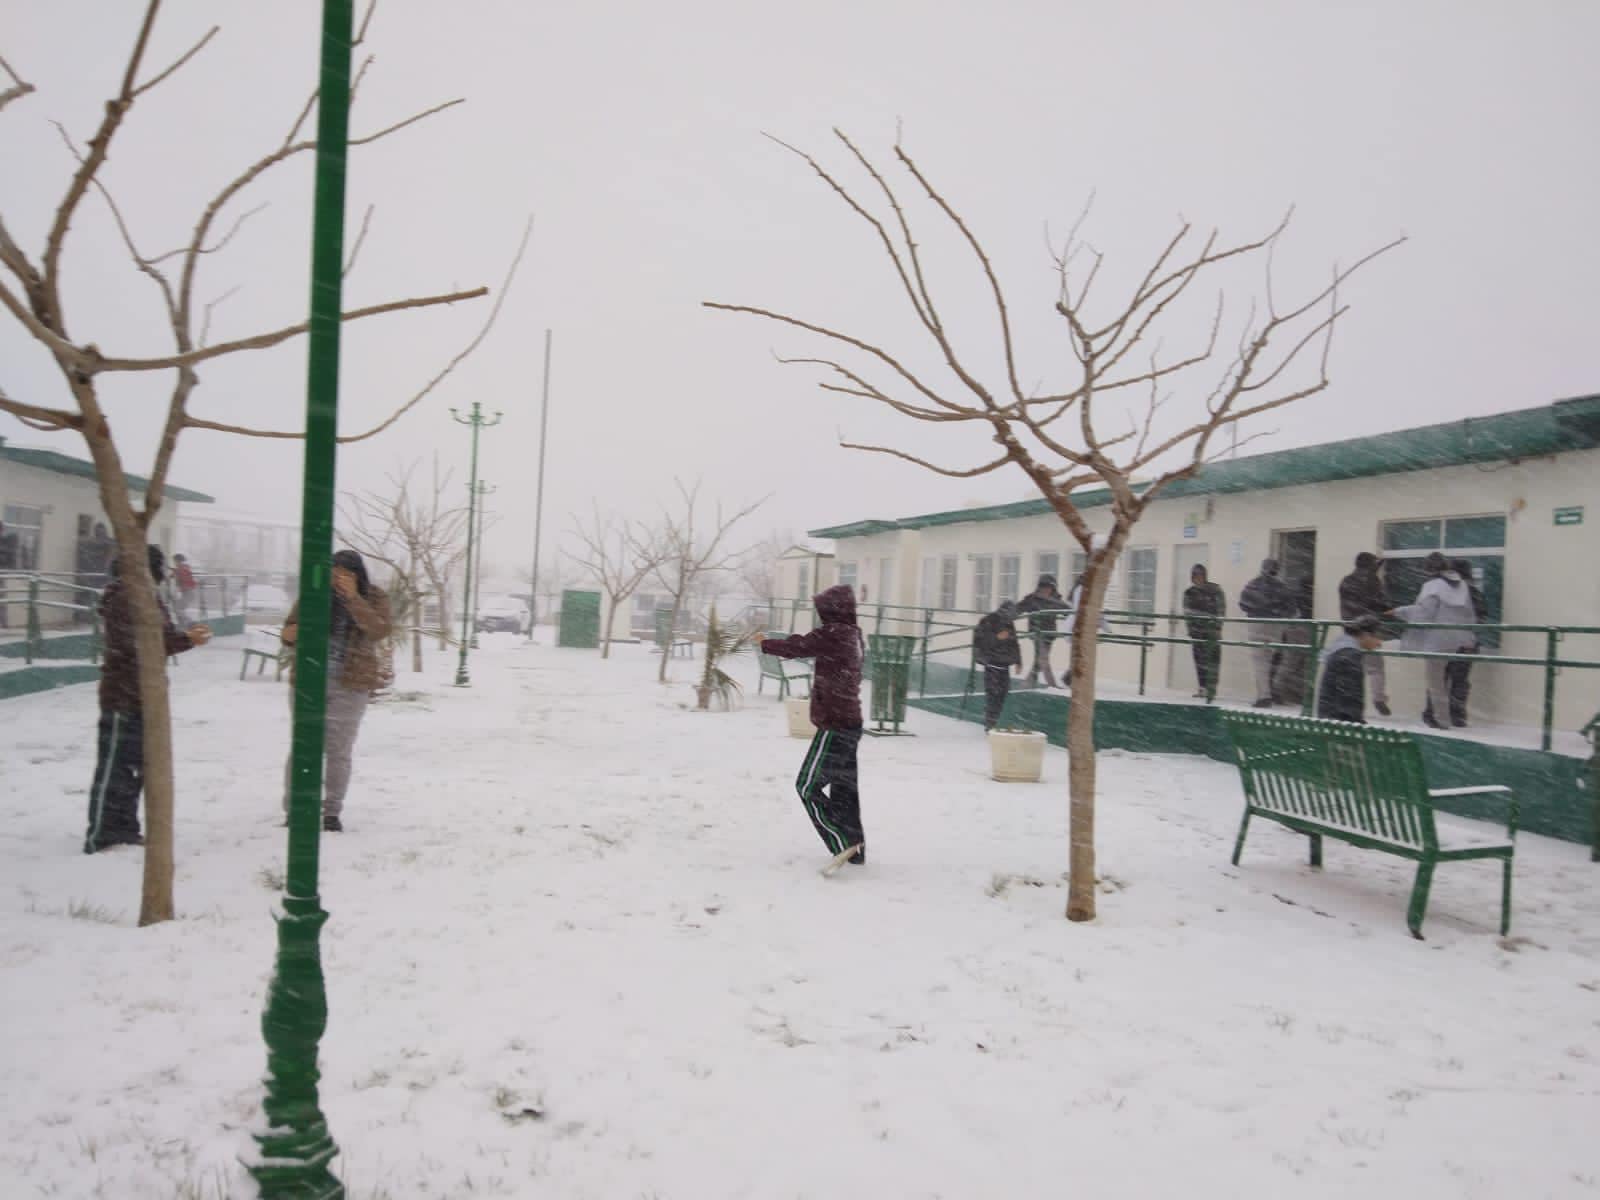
(722, 642)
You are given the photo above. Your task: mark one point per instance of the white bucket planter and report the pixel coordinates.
(1017, 756)
(798, 711)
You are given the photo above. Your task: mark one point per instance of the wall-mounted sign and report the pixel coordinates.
(1571, 515)
(1190, 531)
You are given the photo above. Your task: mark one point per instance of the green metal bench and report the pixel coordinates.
(1366, 787)
(786, 671)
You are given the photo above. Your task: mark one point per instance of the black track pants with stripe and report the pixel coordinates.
(828, 788)
(118, 781)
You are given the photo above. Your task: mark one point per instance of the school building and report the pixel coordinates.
(1517, 494)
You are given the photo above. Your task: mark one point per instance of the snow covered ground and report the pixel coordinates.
(562, 893)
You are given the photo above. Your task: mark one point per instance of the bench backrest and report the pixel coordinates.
(1366, 780)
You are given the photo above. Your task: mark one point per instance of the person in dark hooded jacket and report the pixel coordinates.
(828, 782)
(1267, 599)
(995, 649)
(1043, 606)
(119, 761)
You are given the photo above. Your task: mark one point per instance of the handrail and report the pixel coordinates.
(936, 623)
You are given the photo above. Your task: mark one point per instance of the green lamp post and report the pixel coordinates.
(477, 421)
(296, 1148)
(482, 490)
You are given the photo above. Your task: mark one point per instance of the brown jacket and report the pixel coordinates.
(363, 668)
(119, 665)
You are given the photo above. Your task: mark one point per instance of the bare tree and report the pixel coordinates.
(696, 546)
(411, 530)
(31, 291)
(757, 569)
(619, 557)
(1076, 435)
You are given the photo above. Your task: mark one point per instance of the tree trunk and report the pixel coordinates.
(155, 901)
(672, 623)
(1081, 776)
(605, 634)
(416, 644)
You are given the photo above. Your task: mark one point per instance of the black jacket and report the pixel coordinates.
(1200, 601)
(1268, 596)
(1042, 611)
(994, 641)
(119, 662)
(837, 646)
(1362, 594)
(1342, 694)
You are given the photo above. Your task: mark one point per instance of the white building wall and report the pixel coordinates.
(1552, 573)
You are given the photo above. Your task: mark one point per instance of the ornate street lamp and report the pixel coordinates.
(477, 421)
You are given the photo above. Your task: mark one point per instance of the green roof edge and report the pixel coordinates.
(1565, 425)
(61, 464)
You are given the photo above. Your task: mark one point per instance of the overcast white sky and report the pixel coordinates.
(632, 131)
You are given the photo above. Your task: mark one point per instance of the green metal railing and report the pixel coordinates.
(949, 631)
(46, 615)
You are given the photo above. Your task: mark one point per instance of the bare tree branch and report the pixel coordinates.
(361, 240)
(99, 146)
(19, 86)
(192, 51)
(39, 417)
(96, 362)
(922, 462)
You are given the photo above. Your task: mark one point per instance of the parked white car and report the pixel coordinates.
(502, 614)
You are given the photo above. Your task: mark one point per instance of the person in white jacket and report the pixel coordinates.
(1447, 600)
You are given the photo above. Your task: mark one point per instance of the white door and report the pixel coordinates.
(1180, 663)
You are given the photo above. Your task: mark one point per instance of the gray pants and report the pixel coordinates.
(345, 710)
(1261, 656)
(1377, 678)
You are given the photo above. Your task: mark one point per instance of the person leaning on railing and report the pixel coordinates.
(1362, 593)
(1445, 599)
(1204, 606)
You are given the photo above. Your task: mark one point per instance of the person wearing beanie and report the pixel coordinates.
(1362, 593)
(357, 629)
(119, 754)
(995, 649)
(1267, 600)
(1204, 606)
(1042, 607)
(1341, 694)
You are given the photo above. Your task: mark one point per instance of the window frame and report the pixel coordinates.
(1131, 598)
(982, 569)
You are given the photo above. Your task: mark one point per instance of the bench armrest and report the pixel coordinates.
(1489, 789)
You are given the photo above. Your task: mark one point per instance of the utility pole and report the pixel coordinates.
(477, 421)
(538, 502)
(295, 1147)
(482, 490)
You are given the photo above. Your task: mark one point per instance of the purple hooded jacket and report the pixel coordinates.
(836, 644)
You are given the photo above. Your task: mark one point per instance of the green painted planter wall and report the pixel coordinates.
(43, 679)
(1551, 789)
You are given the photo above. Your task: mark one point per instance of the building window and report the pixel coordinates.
(803, 575)
(1080, 564)
(1142, 579)
(1480, 540)
(24, 526)
(1010, 577)
(1047, 562)
(982, 582)
(885, 579)
(947, 581)
(847, 574)
(928, 583)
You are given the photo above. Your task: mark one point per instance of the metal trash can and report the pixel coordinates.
(889, 667)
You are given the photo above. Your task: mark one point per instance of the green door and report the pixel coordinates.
(580, 620)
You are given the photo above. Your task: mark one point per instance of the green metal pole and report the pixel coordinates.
(1144, 651)
(297, 1145)
(1551, 638)
(33, 635)
(482, 490)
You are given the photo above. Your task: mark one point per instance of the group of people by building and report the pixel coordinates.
(1279, 626)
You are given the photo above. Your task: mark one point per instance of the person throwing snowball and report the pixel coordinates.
(828, 779)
